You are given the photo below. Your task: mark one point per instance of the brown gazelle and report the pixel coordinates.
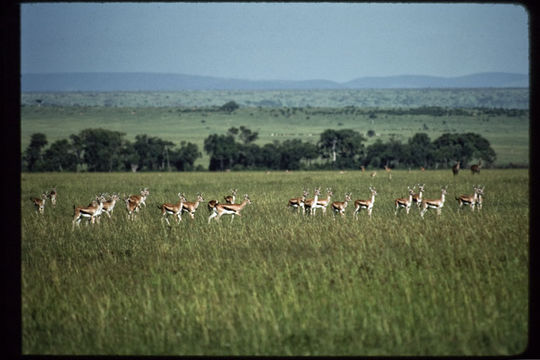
(298, 202)
(455, 168)
(92, 211)
(308, 203)
(140, 199)
(228, 209)
(339, 206)
(191, 207)
(230, 199)
(365, 204)
(323, 203)
(173, 209)
(417, 198)
(212, 204)
(39, 203)
(475, 168)
(131, 207)
(436, 204)
(108, 206)
(52, 196)
(468, 200)
(405, 203)
(480, 197)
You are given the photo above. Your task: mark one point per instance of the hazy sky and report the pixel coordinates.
(299, 41)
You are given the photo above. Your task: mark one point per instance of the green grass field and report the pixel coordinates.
(273, 282)
(509, 136)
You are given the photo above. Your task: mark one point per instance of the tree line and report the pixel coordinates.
(106, 150)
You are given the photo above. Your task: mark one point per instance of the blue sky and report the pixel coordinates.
(275, 41)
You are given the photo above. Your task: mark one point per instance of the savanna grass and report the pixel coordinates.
(274, 282)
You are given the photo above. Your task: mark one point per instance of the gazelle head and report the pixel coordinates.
(348, 197)
(145, 192)
(411, 191)
(317, 191)
(200, 197)
(373, 191)
(246, 197)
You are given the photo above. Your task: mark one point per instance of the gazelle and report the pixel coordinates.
(131, 207)
(108, 206)
(191, 207)
(212, 204)
(405, 202)
(480, 197)
(52, 196)
(455, 169)
(308, 203)
(298, 202)
(140, 199)
(91, 211)
(323, 203)
(39, 203)
(228, 209)
(436, 204)
(417, 198)
(230, 199)
(339, 206)
(173, 209)
(475, 168)
(365, 204)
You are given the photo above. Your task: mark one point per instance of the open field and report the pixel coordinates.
(273, 282)
(508, 135)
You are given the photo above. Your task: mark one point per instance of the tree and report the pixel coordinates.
(32, 155)
(185, 157)
(153, 152)
(222, 150)
(60, 156)
(344, 147)
(102, 149)
(420, 150)
(229, 106)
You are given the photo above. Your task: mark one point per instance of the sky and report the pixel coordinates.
(275, 41)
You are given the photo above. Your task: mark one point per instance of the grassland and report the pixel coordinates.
(272, 282)
(509, 136)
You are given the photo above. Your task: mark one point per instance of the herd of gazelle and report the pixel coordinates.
(106, 204)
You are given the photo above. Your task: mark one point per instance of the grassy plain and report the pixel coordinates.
(509, 136)
(273, 282)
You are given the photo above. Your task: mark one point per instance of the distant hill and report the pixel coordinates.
(61, 82)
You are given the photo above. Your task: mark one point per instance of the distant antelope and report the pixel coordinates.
(230, 199)
(363, 168)
(323, 203)
(131, 207)
(417, 198)
(468, 200)
(365, 204)
(308, 203)
(172, 209)
(373, 174)
(212, 204)
(480, 197)
(191, 207)
(339, 206)
(108, 206)
(228, 209)
(39, 203)
(475, 168)
(422, 168)
(52, 196)
(92, 211)
(405, 202)
(436, 204)
(455, 168)
(298, 202)
(140, 199)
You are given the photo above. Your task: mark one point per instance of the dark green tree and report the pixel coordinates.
(102, 149)
(32, 155)
(344, 148)
(185, 156)
(60, 156)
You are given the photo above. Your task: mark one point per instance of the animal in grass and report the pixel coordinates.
(436, 204)
(39, 203)
(109, 204)
(471, 200)
(338, 207)
(298, 202)
(475, 168)
(191, 207)
(52, 195)
(172, 209)
(212, 204)
(140, 199)
(228, 209)
(455, 168)
(131, 207)
(417, 197)
(323, 203)
(308, 203)
(90, 212)
(230, 199)
(365, 204)
(404, 203)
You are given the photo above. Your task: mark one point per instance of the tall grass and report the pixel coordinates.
(273, 282)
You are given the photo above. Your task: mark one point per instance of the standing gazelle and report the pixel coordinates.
(417, 198)
(92, 211)
(436, 204)
(308, 203)
(404, 202)
(173, 209)
(323, 203)
(339, 206)
(230, 199)
(39, 203)
(191, 207)
(469, 200)
(139, 200)
(132, 207)
(108, 206)
(228, 209)
(52, 196)
(365, 204)
(298, 202)
(480, 197)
